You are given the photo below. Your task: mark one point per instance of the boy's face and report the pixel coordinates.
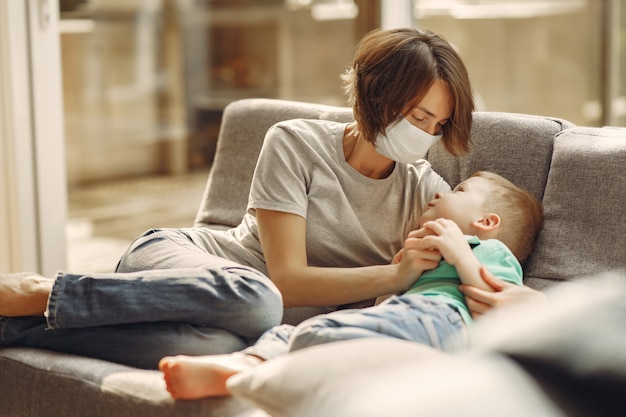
(463, 205)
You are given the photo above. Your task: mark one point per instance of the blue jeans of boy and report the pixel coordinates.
(168, 296)
(408, 317)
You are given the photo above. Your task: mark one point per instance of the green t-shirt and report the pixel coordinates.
(442, 282)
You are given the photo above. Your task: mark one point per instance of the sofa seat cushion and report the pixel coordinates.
(65, 385)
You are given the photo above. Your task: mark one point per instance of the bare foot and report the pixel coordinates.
(24, 294)
(193, 377)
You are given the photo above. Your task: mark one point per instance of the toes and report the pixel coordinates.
(164, 364)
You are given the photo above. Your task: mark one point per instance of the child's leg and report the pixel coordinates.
(409, 317)
(193, 377)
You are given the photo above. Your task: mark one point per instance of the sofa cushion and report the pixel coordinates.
(516, 146)
(387, 377)
(243, 128)
(585, 207)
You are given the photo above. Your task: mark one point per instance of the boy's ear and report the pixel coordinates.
(489, 222)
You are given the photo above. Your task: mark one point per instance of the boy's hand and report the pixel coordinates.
(398, 257)
(448, 239)
(414, 234)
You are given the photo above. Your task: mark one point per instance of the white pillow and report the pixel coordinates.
(391, 378)
(312, 381)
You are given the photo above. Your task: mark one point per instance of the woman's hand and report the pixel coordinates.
(480, 301)
(416, 257)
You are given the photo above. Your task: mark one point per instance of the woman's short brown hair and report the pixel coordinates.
(393, 68)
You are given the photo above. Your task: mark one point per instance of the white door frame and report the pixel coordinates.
(33, 191)
(396, 14)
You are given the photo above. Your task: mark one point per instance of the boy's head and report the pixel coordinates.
(491, 207)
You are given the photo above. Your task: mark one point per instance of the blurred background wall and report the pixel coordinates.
(145, 81)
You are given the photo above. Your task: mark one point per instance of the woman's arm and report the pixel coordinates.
(480, 302)
(283, 238)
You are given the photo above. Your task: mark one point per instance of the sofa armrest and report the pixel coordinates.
(243, 128)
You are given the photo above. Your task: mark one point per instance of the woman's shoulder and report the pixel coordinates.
(307, 126)
(297, 133)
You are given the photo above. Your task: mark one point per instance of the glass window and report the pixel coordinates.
(541, 57)
(270, 48)
(616, 34)
(145, 83)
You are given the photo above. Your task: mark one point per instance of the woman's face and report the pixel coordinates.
(433, 111)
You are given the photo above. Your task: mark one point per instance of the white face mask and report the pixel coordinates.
(404, 142)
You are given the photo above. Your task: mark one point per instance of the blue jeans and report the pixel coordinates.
(168, 296)
(408, 317)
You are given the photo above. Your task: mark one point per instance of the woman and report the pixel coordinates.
(407, 88)
(326, 199)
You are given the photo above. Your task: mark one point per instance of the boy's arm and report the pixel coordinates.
(450, 241)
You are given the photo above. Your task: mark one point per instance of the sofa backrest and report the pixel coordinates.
(584, 232)
(577, 176)
(516, 146)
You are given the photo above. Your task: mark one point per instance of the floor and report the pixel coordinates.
(104, 218)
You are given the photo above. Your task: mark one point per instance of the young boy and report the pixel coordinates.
(485, 222)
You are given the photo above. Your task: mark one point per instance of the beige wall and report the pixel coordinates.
(547, 64)
(134, 84)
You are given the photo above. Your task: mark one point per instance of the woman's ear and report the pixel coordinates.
(488, 223)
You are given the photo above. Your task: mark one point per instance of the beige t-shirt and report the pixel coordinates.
(352, 220)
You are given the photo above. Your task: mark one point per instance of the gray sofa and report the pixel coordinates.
(578, 172)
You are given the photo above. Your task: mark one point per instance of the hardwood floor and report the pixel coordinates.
(103, 219)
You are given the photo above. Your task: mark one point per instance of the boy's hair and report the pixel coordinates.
(521, 214)
(392, 68)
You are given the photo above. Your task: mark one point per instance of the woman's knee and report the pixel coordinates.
(133, 260)
(258, 298)
(269, 308)
(267, 313)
